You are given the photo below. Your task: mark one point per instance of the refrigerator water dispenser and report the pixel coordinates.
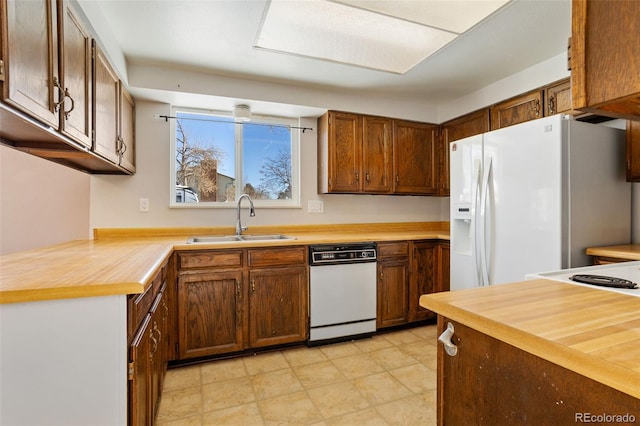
(462, 229)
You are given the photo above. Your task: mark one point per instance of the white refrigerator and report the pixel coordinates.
(532, 197)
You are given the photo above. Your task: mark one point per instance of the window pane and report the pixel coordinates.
(205, 158)
(266, 161)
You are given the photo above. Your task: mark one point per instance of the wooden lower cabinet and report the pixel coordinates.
(406, 271)
(210, 313)
(429, 274)
(424, 274)
(392, 284)
(278, 306)
(264, 301)
(148, 348)
(489, 382)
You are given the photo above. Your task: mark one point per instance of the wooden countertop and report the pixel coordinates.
(627, 251)
(124, 261)
(593, 332)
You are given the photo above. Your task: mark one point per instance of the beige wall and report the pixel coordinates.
(115, 199)
(41, 203)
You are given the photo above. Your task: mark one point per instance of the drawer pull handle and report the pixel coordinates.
(445, 339)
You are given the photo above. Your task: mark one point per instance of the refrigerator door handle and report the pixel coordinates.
(484, 199)
(477, 238)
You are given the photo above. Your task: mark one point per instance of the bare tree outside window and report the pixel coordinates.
(276, 175)
(196, 166)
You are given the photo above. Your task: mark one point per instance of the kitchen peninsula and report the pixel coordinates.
(537, 352)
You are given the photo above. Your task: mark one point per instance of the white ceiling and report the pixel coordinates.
(217, 37)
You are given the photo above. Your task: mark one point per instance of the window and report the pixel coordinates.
(216, 159)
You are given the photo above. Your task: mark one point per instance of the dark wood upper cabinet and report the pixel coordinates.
(339, 152)
(414, 158)
(519, 109)
(75, 77)
(604, 56)
(30, 53)
(557, 97)
(376, 154)
(471, 124)
(47, 105)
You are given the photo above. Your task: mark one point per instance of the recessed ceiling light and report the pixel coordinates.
(391, 36)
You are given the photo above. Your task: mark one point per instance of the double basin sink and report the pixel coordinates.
(237, 238)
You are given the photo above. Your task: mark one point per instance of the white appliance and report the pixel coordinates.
(342, 291)
(629, 271)
(532, 197)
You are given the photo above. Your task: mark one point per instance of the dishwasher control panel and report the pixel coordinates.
(342, 253)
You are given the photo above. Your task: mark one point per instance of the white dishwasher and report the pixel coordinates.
(342, 296)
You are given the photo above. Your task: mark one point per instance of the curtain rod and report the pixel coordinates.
(167, 117)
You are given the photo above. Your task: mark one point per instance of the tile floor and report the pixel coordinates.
(389, 379)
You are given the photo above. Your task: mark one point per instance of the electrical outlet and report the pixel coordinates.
(144, 205)
(315, 206)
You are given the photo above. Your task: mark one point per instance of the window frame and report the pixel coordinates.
(292, 122)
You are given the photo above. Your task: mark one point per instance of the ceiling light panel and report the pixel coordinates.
(350, 35)
(452, 15)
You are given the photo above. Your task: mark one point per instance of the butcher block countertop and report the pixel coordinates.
(593, 332)
(124, 261)
(628, 251)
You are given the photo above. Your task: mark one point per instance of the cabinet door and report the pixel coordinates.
(278, 306)
(345, 152)
(424, 272)
(517, 110)
(210, 313)
(633, 151)
(105, 109)
(557, 98)
(444, 267)
(471, 124)
(140, 375)
(393, 292)
(31, 55)
(414, 158)
(75, 72)
(127, 148)
(376, 154)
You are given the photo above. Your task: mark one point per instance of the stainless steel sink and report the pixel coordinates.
(270, 237)
(212, 239)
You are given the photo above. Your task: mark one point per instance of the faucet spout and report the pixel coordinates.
(252, 213)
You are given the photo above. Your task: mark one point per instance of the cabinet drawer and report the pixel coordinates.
(278, 257)
(138, 306)
(394, 249)
(210, 259)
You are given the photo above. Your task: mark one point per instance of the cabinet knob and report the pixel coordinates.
(445, 339)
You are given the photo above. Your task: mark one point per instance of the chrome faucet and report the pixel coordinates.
(252, 213)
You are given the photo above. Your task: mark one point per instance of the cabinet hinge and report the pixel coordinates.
(130, 370)
(569, 54)
(1, 70)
